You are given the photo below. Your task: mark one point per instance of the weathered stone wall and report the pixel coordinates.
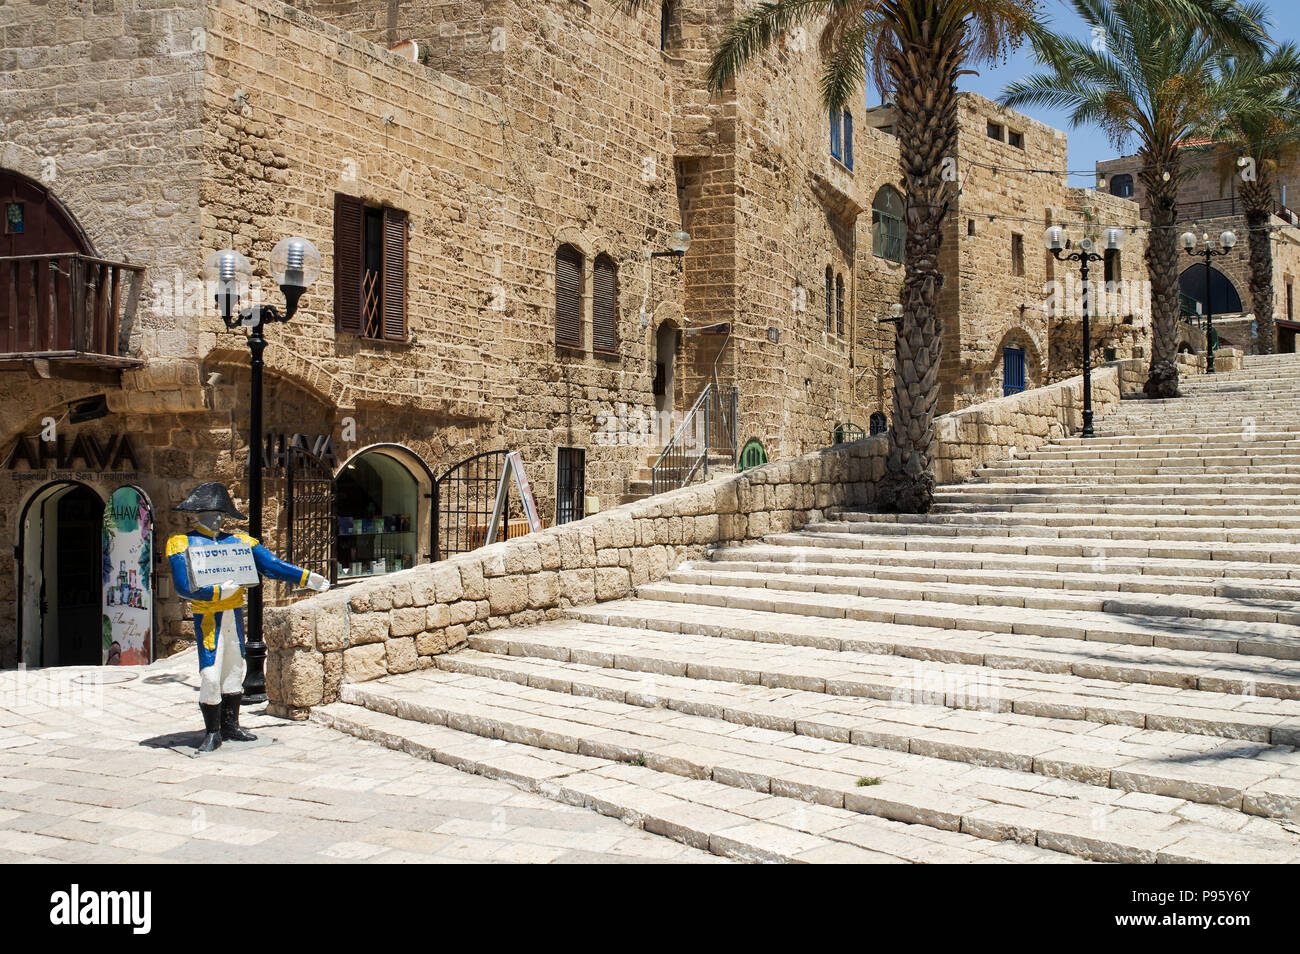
(400, 623)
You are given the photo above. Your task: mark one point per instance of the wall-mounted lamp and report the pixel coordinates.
(895, 315)
(678, 243)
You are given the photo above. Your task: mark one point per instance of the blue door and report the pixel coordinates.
(1013, 370)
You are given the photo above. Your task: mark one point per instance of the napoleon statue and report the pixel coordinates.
(219, 608)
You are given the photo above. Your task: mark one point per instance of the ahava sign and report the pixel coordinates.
(83, 452)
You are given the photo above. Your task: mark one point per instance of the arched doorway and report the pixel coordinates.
(35, 222)
(667, 338)
(1223, 297)
(62, 577)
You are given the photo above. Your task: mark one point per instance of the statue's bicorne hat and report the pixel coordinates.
(210, 497)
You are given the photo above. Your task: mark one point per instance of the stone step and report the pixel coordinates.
(856, 537)
(644, 656)
(1104, 584)
(1096, 517)
(998, 565)
(1264, 451)
(1273, 640)
(991, 803)
(1124, 663)
(743, 825)
(1250, 484)
(1198, 768)
(1122, 468)
(1026, 504)
(1183, 606)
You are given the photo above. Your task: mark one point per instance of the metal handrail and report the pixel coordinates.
(676, 466)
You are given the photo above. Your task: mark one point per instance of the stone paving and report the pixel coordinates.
(86, 775)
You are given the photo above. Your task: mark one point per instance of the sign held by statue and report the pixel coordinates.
(222, 563)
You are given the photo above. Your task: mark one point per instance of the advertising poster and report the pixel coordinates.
(128, 579)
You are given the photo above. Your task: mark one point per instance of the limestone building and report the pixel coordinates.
(495, 187)
(1209, 202)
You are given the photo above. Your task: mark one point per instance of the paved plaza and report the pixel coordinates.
(87, 775)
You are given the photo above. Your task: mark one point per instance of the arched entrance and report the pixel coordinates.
(61, 577)
(667, 338)
(34, 221)
(1222, 295)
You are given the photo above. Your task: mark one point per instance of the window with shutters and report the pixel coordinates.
(604, 306)
(568, 297)
(369, 270)
(830, 297)
(839, 305)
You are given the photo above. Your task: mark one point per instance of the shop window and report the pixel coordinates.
(570, 484)
(604, 306)
(568, 297)
(378, 503)
(887, 224)
(369, 270)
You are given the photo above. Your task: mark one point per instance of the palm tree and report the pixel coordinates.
(1259, 120)
(917, 49)
(1149, 71)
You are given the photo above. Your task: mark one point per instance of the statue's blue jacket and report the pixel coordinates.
(210, 601)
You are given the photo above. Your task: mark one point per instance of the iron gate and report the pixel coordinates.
(309, 505)
(464, 498)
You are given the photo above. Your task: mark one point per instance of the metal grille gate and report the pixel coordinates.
(309, 505)
(464, 498)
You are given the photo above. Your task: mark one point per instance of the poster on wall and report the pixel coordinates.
(128, 578)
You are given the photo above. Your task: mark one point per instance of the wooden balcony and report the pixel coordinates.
(61, 315)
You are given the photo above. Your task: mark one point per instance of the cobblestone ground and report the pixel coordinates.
(87, 775)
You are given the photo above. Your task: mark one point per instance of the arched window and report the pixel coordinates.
(839, 305)
(830, 297)
(604, 305)
(1122, 186)
(887, 224)
(568, 297)
(752, 454)
(877, 423)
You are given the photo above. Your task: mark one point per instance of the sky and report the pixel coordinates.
(1088, 144)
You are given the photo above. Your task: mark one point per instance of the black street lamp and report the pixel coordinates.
(294, 266)
(1056, 241)
(1227, 239)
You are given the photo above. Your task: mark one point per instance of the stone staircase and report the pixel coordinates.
(1088, 653)
(640, 483)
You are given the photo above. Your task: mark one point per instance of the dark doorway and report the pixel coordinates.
(1222, 296)
(62, 578)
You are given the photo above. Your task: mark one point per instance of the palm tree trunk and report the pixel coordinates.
(1257, 197)
(923, 75)
(1162, 270)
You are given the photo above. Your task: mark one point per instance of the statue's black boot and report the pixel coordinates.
(230, 730)
(211, 726)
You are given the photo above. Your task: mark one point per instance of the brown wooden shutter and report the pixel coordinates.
(395, 275)
(604, 306)
(568, 297)
(349, 252)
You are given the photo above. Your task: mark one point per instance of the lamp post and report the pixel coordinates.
(1057, 242)
(1227, 239)
(294, 266)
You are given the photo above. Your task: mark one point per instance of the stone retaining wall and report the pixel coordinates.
(399, 623)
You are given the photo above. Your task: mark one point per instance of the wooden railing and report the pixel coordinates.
(66, 305)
